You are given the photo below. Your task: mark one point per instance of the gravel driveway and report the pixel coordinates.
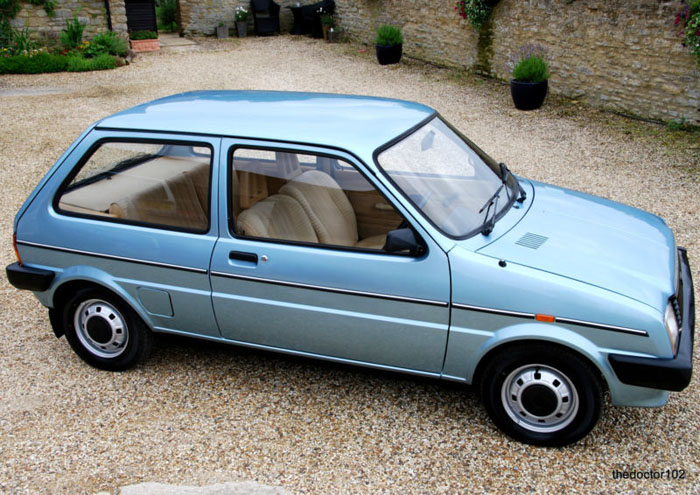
(199, 413)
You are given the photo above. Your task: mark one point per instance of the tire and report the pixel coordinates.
(542, 394)
(104, 331)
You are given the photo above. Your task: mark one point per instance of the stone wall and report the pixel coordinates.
(203, 16)
(624, 55)
(92, 13)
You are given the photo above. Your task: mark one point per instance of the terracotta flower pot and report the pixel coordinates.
(140, 46)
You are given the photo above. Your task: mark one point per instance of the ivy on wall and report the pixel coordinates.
(10, 8)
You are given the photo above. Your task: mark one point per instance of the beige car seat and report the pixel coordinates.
(329, 210)
(275, 217)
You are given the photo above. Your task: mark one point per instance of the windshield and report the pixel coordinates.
(448, 179)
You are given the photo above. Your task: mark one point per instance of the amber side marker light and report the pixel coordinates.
(545, 318)
(14, 245)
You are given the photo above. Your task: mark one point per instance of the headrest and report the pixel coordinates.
(253, 188)
(287, 165)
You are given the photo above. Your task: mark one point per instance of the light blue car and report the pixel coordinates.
(358, 230)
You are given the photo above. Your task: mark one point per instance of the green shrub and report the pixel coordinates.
(109, 43)
(388, 35)
(43, 62)
(166, 11)
(143, 35)
(72, 35)
(531, 69)
(77, 63)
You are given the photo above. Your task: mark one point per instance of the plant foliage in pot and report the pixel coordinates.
(222, 30)
(241, 15)
(530, 77)
(389, 45)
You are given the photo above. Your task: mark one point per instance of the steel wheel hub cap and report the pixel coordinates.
(101, 328)
(539, 398)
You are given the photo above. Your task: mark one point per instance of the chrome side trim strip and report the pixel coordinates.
(113, 257)
(332, 289)
(602, 326)
(570, 321)
(494, 311)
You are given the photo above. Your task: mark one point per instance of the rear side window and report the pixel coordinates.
(158, 184)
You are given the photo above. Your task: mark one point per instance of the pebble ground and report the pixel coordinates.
(199, 414)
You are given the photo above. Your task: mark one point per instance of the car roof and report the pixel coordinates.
(359, 124)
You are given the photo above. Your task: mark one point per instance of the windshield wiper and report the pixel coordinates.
(504, 177)
(489, 222)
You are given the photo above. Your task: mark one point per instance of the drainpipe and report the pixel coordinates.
(109, 15)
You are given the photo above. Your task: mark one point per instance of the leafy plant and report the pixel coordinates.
(529, 63)
(166, 11)
(25, 64)
(688, 18)
(9, 10)
(143, 35)
(241, 14)
(327, 20)
(107, 43)
(18, 42)
(531, 69)
(76, 63)
(692, 35)
(72, 35)
(476, 12)
(388, 35)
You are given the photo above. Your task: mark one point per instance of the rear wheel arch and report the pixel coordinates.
(101, 326)
(66, 290)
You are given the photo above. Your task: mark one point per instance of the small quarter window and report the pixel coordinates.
(151, 183)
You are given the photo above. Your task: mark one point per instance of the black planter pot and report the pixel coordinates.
(389, 54)
(528, 95)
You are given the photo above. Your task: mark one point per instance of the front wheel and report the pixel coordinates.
(104, 331)
(542, 394)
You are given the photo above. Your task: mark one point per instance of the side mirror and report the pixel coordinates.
(402, 240)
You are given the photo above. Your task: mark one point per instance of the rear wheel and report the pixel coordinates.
(104, 331)
(542, 395)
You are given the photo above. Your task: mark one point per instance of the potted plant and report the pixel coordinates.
(144, 41)
(530, 72)
(333, 34)
(222, 30)
(327, 22)
(241, 21)
(389, 43)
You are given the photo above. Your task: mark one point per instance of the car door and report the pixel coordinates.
(288, 275)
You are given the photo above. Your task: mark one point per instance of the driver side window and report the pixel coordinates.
(307, 198)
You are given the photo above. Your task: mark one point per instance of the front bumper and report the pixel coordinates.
(665, 374)
(28, 278)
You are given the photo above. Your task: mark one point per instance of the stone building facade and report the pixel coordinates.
(92, 13)
(623, 55)
(201, 17)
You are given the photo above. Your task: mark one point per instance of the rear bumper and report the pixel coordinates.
(28, 278)
(665, 374)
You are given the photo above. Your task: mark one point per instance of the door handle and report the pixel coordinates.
(241, 256)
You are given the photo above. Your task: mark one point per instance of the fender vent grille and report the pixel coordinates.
(532, 241)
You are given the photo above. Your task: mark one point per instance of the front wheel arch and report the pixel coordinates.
(488, 357)
(541, 393)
